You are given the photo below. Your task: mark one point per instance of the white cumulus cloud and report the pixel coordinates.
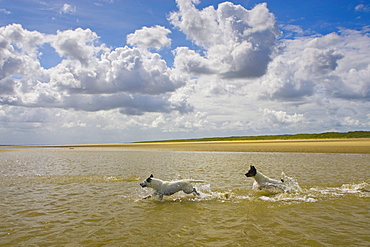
(150, 37)
(237, 42)
(283, 117)
(334, 64)
(90, 76)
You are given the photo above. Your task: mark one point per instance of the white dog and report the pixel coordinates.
(167, 188)
(266, 183)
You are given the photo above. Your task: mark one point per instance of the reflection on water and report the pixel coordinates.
(92, 197)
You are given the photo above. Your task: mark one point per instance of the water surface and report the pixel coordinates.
(92, 197)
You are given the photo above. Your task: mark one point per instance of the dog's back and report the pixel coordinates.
(260, 178)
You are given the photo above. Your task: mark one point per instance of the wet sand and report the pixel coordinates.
(296, 146)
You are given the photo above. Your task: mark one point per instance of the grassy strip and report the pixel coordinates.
(326, 135)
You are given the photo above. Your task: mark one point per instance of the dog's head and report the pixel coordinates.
(147, 181)
(252, 172)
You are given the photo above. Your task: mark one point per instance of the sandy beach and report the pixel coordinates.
(298, 146)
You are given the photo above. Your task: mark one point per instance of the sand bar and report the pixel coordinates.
(7, 150)
(361, 146)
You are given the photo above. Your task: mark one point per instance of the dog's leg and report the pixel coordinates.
(150, 195)
(189, 190)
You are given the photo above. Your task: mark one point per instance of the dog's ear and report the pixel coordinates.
(149, 179)
(252, 172)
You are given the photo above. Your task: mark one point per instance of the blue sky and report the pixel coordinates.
(120, 71)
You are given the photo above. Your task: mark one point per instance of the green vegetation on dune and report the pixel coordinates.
(326, 135)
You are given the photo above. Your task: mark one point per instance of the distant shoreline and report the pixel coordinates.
(319, 136)
(355, 145)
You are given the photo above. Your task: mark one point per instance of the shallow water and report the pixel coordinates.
(92, 197)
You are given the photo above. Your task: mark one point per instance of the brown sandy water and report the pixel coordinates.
(92, 197)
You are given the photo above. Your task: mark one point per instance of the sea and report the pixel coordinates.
(92, 197)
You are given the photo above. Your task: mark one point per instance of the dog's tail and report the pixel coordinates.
(282, 179)
(195, 181)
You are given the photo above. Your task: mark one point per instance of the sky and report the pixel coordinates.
(116, 71)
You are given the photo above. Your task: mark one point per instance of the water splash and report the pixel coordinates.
(362, 189)
(289, 191)
(207, 194)
(315, 194)
(285, 197)
(290, 185)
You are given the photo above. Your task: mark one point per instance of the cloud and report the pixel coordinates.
(90, 76)
(333, 64)
(236, 42)
(362, 8)
(18, 58)
(5, 11)
(123, 69)
(291, 30)
(283, 117)
(76, 44)
(67, 9)
(189, 61)
(351, 79)
(150, 37)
